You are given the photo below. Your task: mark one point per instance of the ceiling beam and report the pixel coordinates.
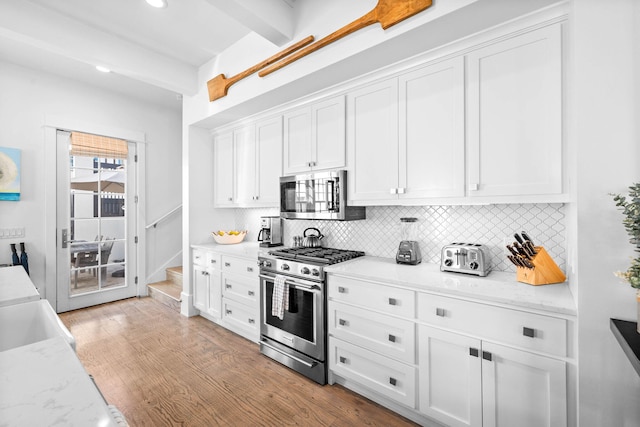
(271, 19)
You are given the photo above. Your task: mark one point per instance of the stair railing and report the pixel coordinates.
(155, 223)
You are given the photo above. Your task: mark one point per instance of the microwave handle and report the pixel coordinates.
(331, 195)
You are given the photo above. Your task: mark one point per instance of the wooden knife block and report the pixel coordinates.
(546, 271)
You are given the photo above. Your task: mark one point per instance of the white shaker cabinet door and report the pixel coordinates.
(450, 377)
(372, 141)
(328, 134)
(200, 287)
(269, 161)
(515, 116)
(223, 179)
(522, 388)
(297, 141)
(244, 164)
(432, 131)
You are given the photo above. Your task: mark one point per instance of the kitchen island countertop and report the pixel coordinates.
(44, 383)
(498, 287)
(16, 287)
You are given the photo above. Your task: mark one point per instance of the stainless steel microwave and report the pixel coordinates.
(321, 195)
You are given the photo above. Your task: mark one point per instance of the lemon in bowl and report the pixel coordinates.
(230, 237)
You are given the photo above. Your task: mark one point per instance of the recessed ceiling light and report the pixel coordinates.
(158, 3)
(102, 69)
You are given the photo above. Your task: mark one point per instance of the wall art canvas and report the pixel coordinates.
(9, 174)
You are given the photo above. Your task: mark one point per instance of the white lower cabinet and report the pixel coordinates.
(467, 382)
(226, 291)
(206, 283)
(457, 362)
(388, 377)
(241, 297)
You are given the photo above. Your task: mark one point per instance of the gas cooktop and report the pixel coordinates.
(318, 255)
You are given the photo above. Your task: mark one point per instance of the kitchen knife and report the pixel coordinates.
(529, 246)
(515, 260)
(521, 251)
(526, 237)
(513, 251)
(528, 264)
(518, 238)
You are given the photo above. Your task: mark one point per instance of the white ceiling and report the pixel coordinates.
(154, 53)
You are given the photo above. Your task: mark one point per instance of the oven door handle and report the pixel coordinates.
(297, 359)
(294, 284)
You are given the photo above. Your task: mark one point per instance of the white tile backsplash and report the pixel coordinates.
(380, 234)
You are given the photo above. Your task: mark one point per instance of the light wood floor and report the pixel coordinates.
(163, 369)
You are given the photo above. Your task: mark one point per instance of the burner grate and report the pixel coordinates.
(319, 255)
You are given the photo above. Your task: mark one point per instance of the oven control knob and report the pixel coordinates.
(448, 262)
(315, 272)
(474, 265)
(285, 267)
(304, 270)
(267, 264)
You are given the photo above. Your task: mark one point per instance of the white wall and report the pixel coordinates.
(27, 98)
(604, 108)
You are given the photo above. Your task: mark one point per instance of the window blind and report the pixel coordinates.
(85, 144)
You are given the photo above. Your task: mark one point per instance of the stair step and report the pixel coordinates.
(166, 292)
(174, 274)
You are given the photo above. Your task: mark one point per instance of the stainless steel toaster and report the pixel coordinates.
(470, 258)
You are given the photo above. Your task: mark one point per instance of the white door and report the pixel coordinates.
(223, 181)
(297, 141)
(96, 227)
(269, 161)
(372, 142)
(328, 134)
(522, 389)
(431, 131)
(450, 377)
(515, 116)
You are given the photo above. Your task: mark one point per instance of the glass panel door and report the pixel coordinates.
(94, 255)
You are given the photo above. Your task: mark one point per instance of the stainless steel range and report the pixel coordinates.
(298, 339)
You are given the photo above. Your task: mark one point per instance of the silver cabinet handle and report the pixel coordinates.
(228, 311)
(227, 264)
(230, 199)
(213, 261)
(401, 190)
(196, 257)
(473, 352)
(529, 332)
(440, 312)
(487, 356)
(343, 359)
(342, 290)
(251, 293)
(393, 191)
(393, 381)
(250, 269)
(393, 301)
(392, 338)
(342, 322)
(228, 286)
(252, 321)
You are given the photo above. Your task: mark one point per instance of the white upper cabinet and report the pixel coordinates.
(372, 141)
(431, 130)
(269, 161)
(223, 170)
(515, 116)
(248, 165)
(314, 137)
(244, 159)
(406, 136)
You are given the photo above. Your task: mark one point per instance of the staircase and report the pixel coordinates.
(168, 291)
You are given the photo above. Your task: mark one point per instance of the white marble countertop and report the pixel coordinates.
(16, 287)
(243, 249)
(45, 384)
(497, 287)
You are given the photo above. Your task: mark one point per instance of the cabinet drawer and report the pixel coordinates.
(387, 299)
(382, 375)
(213, 261)
(244, 266)
(199, 257)
(241, 318)
(527, 330)
(384, 334)
(241, 288)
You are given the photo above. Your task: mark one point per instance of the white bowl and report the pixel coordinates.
(229, 239)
